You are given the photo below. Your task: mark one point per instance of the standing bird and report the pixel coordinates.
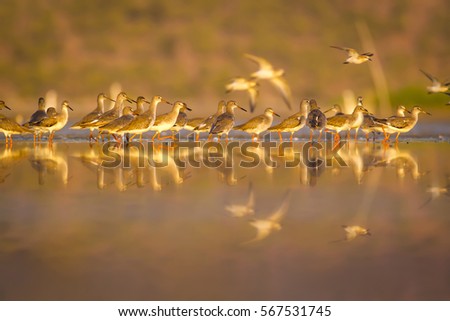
(294, 122)
(36, 117)
(436, 85)
(206, 124)
(118, 123)
(109, 115)
(142, 123)
(354, 57)
(250, 85)
(89, 120)
(9, 126)
(166, 121)
(316, 120)
(225, 122)
(181, 121)
(53, 124)
(258, 124)
(266, 71)
(396, 124)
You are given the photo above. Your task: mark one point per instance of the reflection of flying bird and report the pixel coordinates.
(435, 192)
(436, 85)
(241, 210)
(265, 227)
(250, 85)
(275, 76)
(353, 231)
(354, 57)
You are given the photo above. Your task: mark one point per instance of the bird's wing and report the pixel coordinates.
(222, 123)
(47, 122)
(255, 121)
(350, 51)
(281, 211)
(282, 86)
(253, 92)
(263, 63)
(251, 196)
(433, 79)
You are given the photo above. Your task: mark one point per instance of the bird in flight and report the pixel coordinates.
(436, 85)
(275, 76)
(354, 57)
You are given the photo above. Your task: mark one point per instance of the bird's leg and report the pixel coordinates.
(197, 136)
(310, 135)
(396, 138)
(132, 136)
(356, 133)
(279, 135)
(348, 134)
(320, 135)
(337, 138)
(292, 136)
(154, 136)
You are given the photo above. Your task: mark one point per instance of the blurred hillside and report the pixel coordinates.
(189, 49)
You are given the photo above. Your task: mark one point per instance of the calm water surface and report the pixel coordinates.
(73, 229)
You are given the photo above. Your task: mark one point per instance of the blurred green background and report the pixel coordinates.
(188, 50)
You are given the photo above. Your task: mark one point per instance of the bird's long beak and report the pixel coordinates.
(276, 114)
(69, 107)
(147, 102)
(131, 100)
(427, 113)
(110, 98)
(326, 111)
(242, 108)
(408, 111)
(7, 107)
(187, 108)
(167, 102)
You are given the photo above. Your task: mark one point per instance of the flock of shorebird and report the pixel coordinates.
(124, 123)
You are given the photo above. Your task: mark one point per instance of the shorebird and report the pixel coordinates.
(118, 123)
(142, 123)
(436, 85)
(316, 120)
(53, 124)
(36, 117)
(371, 123)
(206, 124)
(340, 121)
(166, 121)
(9, 126)
(89, 120)
(396, 124)
(241, 83)
(241, 210)
(275, 76)
(265, 227)
(225, 122)
(181, 121)
(294, 122)
(354, 57)
(109, 115)
(258, 124)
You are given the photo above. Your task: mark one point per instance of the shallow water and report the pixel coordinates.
(72, 228)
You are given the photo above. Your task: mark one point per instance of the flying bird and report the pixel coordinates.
(436, 85)
(241, 210)
(275, 76)
(241, 83)
(354, 57)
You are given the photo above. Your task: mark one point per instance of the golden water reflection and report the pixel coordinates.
(73, 228)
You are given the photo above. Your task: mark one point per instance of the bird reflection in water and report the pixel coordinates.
(266, 226)
(46, 160)
(353, 231)
(9, 158)
(241, 210)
